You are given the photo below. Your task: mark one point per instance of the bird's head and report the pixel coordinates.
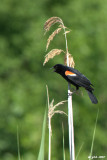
(59, 68)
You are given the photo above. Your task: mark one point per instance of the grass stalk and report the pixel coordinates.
(41, 150)
(79, 151)
(63, 142)
(49, 125)
(70, 109)
(69, 62)
(18, 144)
(49, 156)
(51, 112)
(94, 135)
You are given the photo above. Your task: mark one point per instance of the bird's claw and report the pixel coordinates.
(71, 93)
(78, 92)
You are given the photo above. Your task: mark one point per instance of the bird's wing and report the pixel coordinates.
(78, 78)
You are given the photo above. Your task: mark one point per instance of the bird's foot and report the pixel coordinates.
(69, 94)
(72, 92)
(73, 89)
(78, 92)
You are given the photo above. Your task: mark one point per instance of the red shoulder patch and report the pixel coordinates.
(69, 73)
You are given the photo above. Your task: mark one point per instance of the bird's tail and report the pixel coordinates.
(92, 97)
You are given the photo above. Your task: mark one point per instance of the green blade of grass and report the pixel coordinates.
(93, 136)
(79, 151)
(41, 150)
(63, 142)
(18, 144)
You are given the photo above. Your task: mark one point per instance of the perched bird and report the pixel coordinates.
(76, 78)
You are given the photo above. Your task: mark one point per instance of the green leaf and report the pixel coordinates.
(93, 136)
(63, 142)
(18, 144)
(41, 150)
(79, 151)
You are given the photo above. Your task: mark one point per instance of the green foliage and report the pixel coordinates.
(18, 146)
(63, 142)
(23, 77)
(42, 146)
(92, 145)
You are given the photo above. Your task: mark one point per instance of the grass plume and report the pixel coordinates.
(52, 36)
(52, 54)
(51, 21)
(51, 112)
(69, 62)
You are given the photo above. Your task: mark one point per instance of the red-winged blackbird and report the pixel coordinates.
(74, 77)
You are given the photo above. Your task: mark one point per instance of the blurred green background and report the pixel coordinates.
(23, 78)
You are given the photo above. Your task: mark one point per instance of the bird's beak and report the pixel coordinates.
(52, 68)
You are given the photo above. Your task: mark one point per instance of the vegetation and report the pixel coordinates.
(68, 60)
(23, 78)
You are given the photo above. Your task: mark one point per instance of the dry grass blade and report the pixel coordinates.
(52, 36)
(71, 61)
(62, 26)
(60, 103)
(51, 104)
(51, 54)
(66, 32)
(60, 112)
(52, 108)
(51, 21)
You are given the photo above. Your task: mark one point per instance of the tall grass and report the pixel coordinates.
(51, 112)
(79, 151)
(63, 142)
(69, 62)
(92, 145)
(18, 146)
(41, 150)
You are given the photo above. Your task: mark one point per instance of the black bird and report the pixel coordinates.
(76, 78)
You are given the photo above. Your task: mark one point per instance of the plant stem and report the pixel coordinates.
(18, 144)
(63, 142)
(70, 123)
(49, 125)
(49, 157)
(94, 135)
(70, 109)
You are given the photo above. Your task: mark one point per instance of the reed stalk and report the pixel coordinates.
(51, 112)
(70, 107)
(69, 62)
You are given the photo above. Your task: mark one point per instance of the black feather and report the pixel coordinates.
(92, 97)
(77, 79)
